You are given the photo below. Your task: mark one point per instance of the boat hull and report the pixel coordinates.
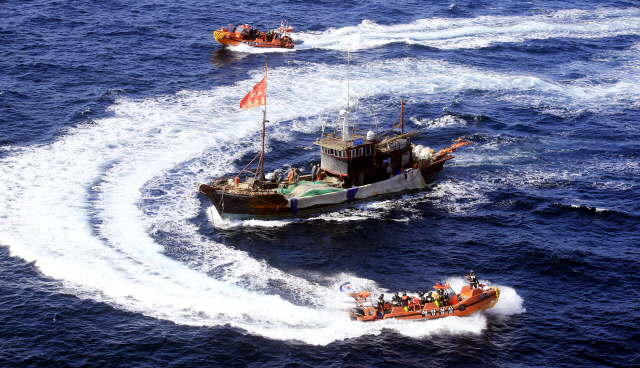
(475, 301)
(231, 39)
(270, 204)
(228, 203)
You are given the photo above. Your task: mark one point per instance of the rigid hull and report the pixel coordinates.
(233, 40)
(245, 35)
(469, 301)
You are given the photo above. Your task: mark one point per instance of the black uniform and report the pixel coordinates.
(422, 298)
(381, 303)
(405, 300)
(445, 298)
(473, 280)
(429, 298)
(395, 300)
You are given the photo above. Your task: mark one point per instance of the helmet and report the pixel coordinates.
(471, 272)
(381, 296)
(405, 293)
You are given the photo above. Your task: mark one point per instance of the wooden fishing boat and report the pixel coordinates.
(354, 166)
(244, 34)
(444, 303)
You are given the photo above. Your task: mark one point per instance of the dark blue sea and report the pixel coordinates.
(111, 112)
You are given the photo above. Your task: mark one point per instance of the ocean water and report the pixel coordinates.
(112, 112)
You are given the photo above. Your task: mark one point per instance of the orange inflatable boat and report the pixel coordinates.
(444, 302)
(245, 34)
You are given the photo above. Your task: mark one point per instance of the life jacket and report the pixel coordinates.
(290, 176)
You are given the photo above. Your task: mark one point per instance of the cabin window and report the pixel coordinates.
(368, 150)
(359, 151)
(352, 153)
(343, 154)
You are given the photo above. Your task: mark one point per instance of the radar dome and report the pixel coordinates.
(371, 135)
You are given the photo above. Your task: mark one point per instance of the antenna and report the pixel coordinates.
(355, 118)
(348, 87)
(324, 125)
(375, 121)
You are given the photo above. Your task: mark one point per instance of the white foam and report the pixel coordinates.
(441, 122)
(484, 31)
(242, 48)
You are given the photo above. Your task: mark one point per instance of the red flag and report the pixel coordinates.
(257, 96)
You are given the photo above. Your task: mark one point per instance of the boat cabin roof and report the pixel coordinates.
(355, 140)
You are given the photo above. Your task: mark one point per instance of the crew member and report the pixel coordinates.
(429, 298)
(440, 296)
(319, 174)
(292, 175)
(445, 299)
(405, 302)
(395, 300)
(422, 298)
(297, 175)
(473, 280)
(314, 171)
(381, 303)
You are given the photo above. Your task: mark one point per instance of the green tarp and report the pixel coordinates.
(307, 189)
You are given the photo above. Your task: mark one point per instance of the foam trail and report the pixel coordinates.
(258, 50)
(74, 206)
(485, 31)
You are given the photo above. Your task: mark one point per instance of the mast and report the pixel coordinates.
(402, 111)
(264, 120)
(348, 95)
(345, 119)
(402, 116)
